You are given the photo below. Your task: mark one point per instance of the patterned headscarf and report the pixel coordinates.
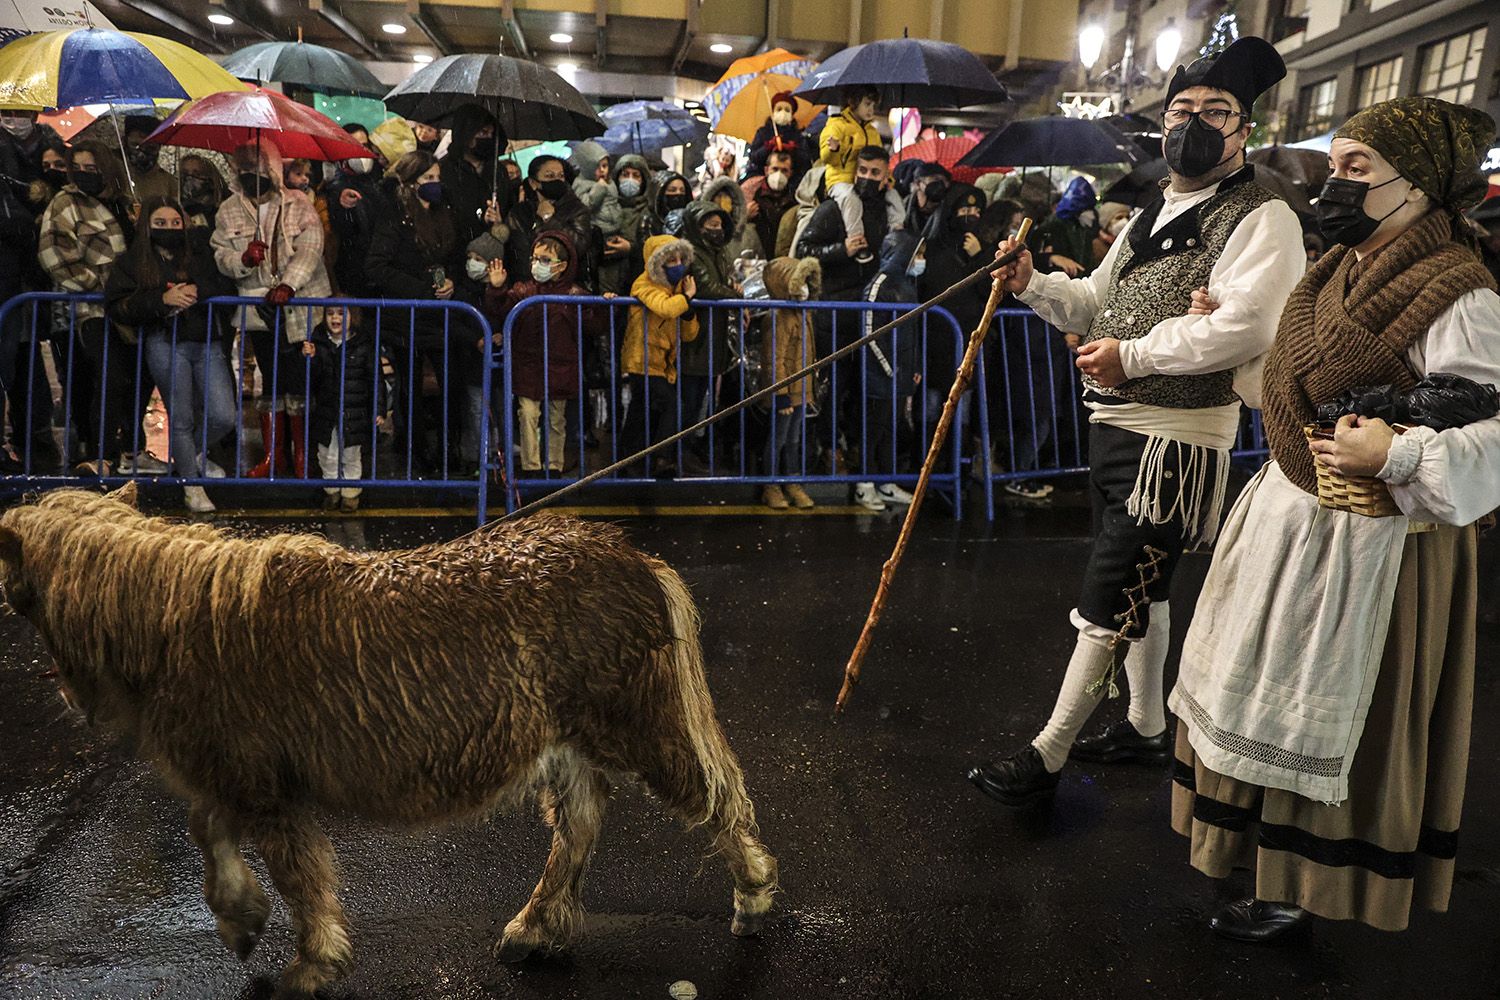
(1436, 145)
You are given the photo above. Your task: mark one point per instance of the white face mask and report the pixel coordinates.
(1118, 226)
(17, 126)
(541, 271)
(629, 187)
(781, 118)
(477, 269)
(916, 267)
(1087, 217)
(363, 165)
(775, 180)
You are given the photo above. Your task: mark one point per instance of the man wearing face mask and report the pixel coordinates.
(929, 186)
(769, 196)
(22, 139)
(478, 194)
(1164, 389)
(1327, 682)
(143, 158)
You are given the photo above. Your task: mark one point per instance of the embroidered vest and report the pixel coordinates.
(1153, 280)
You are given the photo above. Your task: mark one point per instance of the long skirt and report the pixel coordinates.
(1392, 843)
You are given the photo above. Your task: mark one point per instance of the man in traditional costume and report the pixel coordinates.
(1327, 681)
(1164, 389)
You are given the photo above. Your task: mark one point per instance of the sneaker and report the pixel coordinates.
(867, 497)
(197, 500)
(1029, 489)
(863, 257)
(798, 496)
(349, 504)
(774, 498)
(143, 464)
(893, 494)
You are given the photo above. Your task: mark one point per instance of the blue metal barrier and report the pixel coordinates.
(54, 316)
(725, 453)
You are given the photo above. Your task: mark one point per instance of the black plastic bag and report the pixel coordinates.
(1441, 401)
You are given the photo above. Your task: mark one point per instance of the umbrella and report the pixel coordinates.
(1306, 167)
(77, 66)
(523, 155)
(529, 100)
(1140, 187)
(908, 72)
(947, 153)
(228, 120)
(303, 65)
(1321, 143)
(71, 122)
(647, 126)
(1285, 188)
(394, 138)
(740, 102)
(1054, 141)
(1144, 130)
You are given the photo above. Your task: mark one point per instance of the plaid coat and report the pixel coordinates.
(295, 257)
(80, 239)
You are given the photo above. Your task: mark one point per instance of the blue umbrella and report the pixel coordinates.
(1054, 141)
(908, 72)
(648, 126)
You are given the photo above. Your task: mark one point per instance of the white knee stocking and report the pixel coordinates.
(1074, 702)
(1145, 667)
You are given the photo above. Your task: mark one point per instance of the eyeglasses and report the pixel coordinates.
(1214, 118)
(544, 260)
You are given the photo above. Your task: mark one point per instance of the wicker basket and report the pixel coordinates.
(1356, 494)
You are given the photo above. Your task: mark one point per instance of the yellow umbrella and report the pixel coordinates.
(740, 102)
(394, 138)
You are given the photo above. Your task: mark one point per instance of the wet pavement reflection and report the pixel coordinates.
(899, 880)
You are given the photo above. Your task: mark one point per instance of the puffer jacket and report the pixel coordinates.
(745, 236)
(788, 333)
(616, 273)
(810, 194)
(549, 371)
(711, 271)
(850, 137)
(599, 197)
(658, 187)
(664, 315)
(344, 381)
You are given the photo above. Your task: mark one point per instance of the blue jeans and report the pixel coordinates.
(198, 389)
(784, 447)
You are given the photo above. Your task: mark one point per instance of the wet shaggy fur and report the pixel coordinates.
(272, 680)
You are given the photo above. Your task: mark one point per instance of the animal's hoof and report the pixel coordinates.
(240, 940)
(747, 924)
(514, 949)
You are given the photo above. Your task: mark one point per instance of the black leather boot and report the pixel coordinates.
(1121, 743)
(1256, 921)
(1018, 780)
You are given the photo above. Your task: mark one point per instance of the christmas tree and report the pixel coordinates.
(1225, 30)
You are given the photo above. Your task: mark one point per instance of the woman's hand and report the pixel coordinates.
(349, 198)
(1067, 265)
(972, 246)
(1359, 447)
(492, 212)
(690, 287)
(179, 296)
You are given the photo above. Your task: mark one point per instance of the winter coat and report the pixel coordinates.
(770, 206)
(400, 267)
(897, 352)
(569, 215)
(810, 194)
(947, 262)
(659, 211)
(551, 372)
(664, 315)
(599, 197)
(345, 380)
(466, 190)
(616, 273)
(81, 237)
(787, 333)
(138, 304)
(294, 238)
(352, 228)
(769, 139)
(824, 237)
(850, 136)
(711, 271)
(745, 235)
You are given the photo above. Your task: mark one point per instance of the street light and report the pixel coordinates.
(1168, 44)
(1090, 45)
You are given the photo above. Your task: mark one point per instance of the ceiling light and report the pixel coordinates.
(221, 19)
(393, 28)
(421, 57)
(568, 71)
(561, 38)
(721, 48)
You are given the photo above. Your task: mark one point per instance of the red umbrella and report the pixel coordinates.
(947, 152)
(227, 120)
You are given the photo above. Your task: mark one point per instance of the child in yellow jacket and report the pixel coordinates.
(838, 147)
(656, 330)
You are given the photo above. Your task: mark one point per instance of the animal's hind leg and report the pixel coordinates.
(572, 799)
(301, 862)
(239, 904)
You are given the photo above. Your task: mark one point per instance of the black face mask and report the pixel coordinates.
(1193, 150)
(143, 158)
(672, 202)
(966, 223)
(935, 192)
(716, 237)
(55, 178)
(197, 190)
(483, 148)
(254, 184)
(427, 147)
(172, 240)
(867, 189)
(553, 190)
(90, 184)
(1341, 211)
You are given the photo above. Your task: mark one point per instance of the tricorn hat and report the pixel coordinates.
(1247, 68)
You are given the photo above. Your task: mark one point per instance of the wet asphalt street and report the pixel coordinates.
(899, 879)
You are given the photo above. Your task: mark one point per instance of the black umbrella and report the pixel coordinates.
(908, 72)
(1054, 141)
(1306, 167)
(303, 65)
(1144, 130)
(1139, 187)
(529, 100)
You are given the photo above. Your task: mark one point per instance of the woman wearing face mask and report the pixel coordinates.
(1065, 242)
(82, 234)
(1366, 619)
(550, 205)
(354, 199)
(953, 252)
(160, 287)
(416, 253)
(203, 191)
(624, 253)
(672, 195)
(781, 134)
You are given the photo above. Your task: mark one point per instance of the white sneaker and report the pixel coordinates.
(891, 493)
(197, 500)
(143, 464)
(211, 469)
(867, 497)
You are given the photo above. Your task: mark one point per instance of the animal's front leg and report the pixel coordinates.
(300, 859)
(239, 904)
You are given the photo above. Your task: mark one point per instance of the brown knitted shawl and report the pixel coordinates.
(1345, 327)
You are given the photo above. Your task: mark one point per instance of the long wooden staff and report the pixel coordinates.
(939, 437)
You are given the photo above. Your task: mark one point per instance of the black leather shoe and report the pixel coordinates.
(1018, 780)
(1120, 743)
(1256, 921)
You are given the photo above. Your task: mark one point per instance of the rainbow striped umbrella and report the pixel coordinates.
(65, 69)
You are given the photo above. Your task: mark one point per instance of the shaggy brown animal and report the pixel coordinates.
(273, 679)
